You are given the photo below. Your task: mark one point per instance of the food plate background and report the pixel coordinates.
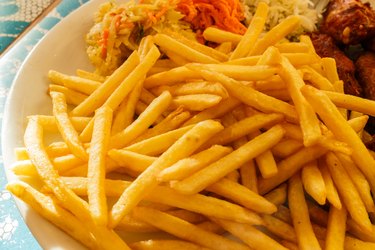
(14, 233)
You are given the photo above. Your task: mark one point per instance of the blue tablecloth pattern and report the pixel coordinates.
(14, 234)
(16, 15)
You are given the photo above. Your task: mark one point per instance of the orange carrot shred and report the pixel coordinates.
(224, 14)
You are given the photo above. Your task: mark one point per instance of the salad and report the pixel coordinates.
(119, 28)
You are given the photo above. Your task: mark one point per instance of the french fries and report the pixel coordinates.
(197, 141)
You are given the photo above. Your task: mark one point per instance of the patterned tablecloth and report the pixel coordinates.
(16, 15)
(14, 234)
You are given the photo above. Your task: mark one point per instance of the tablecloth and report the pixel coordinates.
(16, 16)
(14, 234)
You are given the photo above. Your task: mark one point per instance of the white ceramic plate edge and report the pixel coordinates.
(28, 95)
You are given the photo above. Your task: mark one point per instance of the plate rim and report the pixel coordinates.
(15, 85)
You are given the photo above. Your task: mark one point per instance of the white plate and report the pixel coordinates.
(62, 49)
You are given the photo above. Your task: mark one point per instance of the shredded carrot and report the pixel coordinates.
(224, 14)
(104, 43)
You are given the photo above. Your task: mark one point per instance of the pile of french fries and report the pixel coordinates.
(254, 138)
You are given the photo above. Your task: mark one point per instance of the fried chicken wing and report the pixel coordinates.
(349, 21)
(325, 47)
(365, 66)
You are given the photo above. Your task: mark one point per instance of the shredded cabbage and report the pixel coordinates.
(281, 9)
(119, 28)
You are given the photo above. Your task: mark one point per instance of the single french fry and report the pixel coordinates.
(289, 166)
(336, 228)
(271, 56)
(225, 47)
(342, 130)
(220, 36)
(182, 50)
(158, 144)
(79, 84)
(286, 147)
(174, 57)
(253, 237)
(66, 162)
(292, 47)
(248, 176)
(174, 120)
(253, 31)
(355, 244)
(196, 102)
(183, 147)
(217, 170)
(308, 120)
(97, 165)
(86, 134)
(147, 118)
(130, 224)
(65, 126)
(146, 96)
(348, 192)
(266, 162)
(49, 122)
(89, 235)
(332, 194)
(244, 127)
(194, 87)
(214, 112)
(242, 73)
(185, 230)
(242, 195)
(316, 79)
(170, 77)
(330, 69)
(351, 102)
(165, 244)
(300, 59)
(208, 51)
(101, 94)
(130, 160)
(275, 34)
(133, 225)
(192, 164)
(124, 115)
(313, 182)
(89, 75)
(296, 59)
(21, 154)
(238, 72)
(305, 39)
(187, 215)
(300, 215)
(24, 168)
(211, 227)
(358, 232)
(145, 46)
(278, 195)
(246, 94)
(279, 228)
(359, 180)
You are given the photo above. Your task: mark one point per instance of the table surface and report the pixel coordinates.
(17, 16)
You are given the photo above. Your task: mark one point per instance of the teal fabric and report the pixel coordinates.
(14, 233)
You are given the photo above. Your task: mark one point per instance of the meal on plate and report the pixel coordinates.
(211, 125)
